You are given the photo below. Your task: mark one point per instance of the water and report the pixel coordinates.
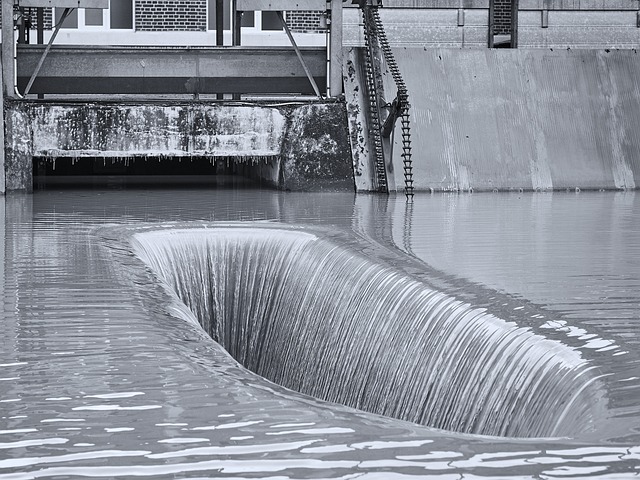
(104, 373)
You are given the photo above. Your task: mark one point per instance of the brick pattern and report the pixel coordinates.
(305, 21)
(167, 15)
(502, 17)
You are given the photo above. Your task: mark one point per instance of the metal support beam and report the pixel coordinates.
(236, 15)
(299, 55)
(515, 7)
(335, 49)
(40, 25)
(79, 69)
(281, 5)
(492, 23)
(219, 23)
(236, 36)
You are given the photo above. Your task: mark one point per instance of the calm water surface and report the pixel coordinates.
(100, 378)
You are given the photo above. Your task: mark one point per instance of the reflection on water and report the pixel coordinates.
(100, 378)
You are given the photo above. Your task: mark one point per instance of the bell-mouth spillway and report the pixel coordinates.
(325, 320)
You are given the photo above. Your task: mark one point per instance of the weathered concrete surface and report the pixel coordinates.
(358, 119)
(117, 130)
(522, 119)
(541, 23)
(550, 27)
(316, 154)
(2, 179)
(433, 27)
(307, 141)
(18, 163)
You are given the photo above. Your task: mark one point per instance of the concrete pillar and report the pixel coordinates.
(8, 46)
(335, 47)
(18, 150)
(2, 147)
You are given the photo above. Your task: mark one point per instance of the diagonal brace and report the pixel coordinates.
(299, 54)
(65, 14)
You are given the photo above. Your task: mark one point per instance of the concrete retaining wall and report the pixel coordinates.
(297, 147)
(530, 119)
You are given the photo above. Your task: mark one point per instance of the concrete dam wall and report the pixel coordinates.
(519, 119)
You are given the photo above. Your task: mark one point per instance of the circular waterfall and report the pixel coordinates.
(327, 321)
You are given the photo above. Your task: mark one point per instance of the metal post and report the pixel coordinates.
(40, 32)
(8, 49)
(219, 22)
(40, 25)
(236, 37)
(491, 22)
(335, 47)
(514, 23)
(220, 32)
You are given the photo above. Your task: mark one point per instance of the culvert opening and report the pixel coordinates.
(326, 321)
(155, 171)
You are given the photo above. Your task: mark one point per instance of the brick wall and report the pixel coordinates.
(502, 17)
(305, 21)
(167, 15)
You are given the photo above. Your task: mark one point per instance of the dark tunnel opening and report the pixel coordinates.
(154, 172)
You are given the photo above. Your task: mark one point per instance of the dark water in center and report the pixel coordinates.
(100, 375)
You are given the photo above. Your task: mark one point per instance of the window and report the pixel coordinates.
(71, 21)
(93, 17)
(118, 16)
(265, 20)
(270, 21)
(121, 14)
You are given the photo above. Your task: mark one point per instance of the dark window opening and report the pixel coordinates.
(248, 19)
(70, 22)
(270, 21)
(121, 12)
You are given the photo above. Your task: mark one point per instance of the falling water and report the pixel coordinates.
(325, 320)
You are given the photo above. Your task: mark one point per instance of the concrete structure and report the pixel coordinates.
(291, 147)
(518, 119)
